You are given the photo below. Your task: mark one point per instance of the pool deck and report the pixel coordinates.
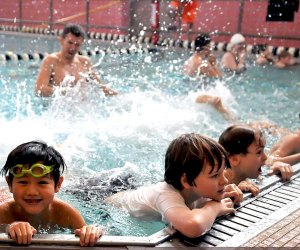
(285, 233)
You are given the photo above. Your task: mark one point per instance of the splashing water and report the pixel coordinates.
(119, 142)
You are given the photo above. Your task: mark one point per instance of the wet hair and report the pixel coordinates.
(201, 41)
(284, 54)
(188, 154)
(74, 29)
(31, 153)
(236, 139)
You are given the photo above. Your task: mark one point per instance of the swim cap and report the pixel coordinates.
(201, 41)
(236, 39)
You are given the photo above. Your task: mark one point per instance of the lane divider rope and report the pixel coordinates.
(119, 38)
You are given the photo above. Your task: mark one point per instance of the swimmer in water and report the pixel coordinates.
(245, 147)
(202, 62)
(194, 187)
(67, 62)
(33, 172)
(234, 59)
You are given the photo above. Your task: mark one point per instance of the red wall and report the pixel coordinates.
(114, 16)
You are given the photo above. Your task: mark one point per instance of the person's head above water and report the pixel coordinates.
(189, 154)
(74, 29)
(35, 158)
(236, 139)
(202, 41)
(237, 39)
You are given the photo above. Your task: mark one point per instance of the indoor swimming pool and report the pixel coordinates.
(114, 143)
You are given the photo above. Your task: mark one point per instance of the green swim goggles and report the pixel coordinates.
(36, 170)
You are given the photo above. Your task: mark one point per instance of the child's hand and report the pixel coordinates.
(21, 232)
(284, 169)
(226, 206)
(249, 186)
(234, 193)
(88, 235)
(108, 91)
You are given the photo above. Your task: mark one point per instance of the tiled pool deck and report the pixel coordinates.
(285, 233)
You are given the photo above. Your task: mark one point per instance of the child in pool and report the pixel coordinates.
(287, 149)
(194, 191)
(33, 174)
(245, 148)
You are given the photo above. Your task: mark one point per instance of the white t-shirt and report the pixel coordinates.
(153, 201)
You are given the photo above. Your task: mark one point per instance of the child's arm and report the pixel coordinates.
(71, 218)
(249, 186)
(195, 222)
(21, 232)
(284, 169)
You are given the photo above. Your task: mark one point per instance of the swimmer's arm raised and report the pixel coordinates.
(92, 74)
(43, 86)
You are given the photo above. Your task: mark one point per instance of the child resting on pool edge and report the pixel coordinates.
(194, 191)
(245, 148)
(33, 174)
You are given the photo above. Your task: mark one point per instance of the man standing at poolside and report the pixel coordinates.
(67, 62)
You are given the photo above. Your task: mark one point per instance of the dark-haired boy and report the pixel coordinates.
(33, 174)
(202, 62)
(194, 191)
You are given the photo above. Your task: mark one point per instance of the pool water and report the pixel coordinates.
(114, 143)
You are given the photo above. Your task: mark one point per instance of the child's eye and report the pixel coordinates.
(22, 182)
(215, 175)
(43, 182)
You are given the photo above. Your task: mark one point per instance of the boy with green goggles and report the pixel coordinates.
(33, 172)
(36, 170)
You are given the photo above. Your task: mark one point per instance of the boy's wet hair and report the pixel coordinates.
(188, 154)
(74, 29)
(236, 139)
(201, 41)
(284, 54)
(33, 152)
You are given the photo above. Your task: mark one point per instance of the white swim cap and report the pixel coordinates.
(236, 39)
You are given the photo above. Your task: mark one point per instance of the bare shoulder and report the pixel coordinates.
(227, 55)
(62, 207)
(7, 210)
(51, 58)
(66, 215)
(84, 59)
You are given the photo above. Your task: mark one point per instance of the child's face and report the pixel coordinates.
(210, 185)
(251, 163)
(33, 195)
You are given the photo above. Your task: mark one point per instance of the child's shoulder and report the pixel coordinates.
(61, 205)
(7, 211)
(65, 215)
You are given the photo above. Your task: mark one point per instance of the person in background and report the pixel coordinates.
(194, 187)
(285, 59)
(187, 10)
(234, 59)
(202, 62)
(33, 174)
(264, 56)
(245, 148)
(216, 102)
(287, 149)
(67, 62)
